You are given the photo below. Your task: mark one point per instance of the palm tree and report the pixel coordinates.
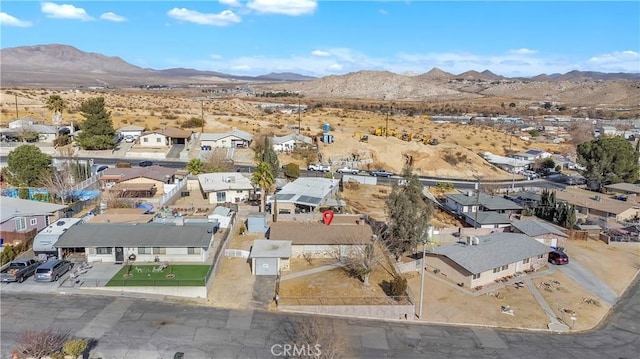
(195, 166)
(263, 178)
(56, 104)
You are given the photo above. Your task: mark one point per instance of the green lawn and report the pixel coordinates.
(145, 276)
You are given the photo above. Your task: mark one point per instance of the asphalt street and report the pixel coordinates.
(125, 327)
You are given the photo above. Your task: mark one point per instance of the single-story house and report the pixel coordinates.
(148, 242)
(270, 257)
(165, 137)
(542, 232)
(305, 194)
(46, 134)
(487, 219)
(131, 130)
(509, 164)
(222, 215)
(598, 205)
(157, 176)
(525, 198)
(222, 187)
(481, 261)
(231, 139)
(319, 240)
(122, 215)
(21, 219)
(24, 121)
(623, 188)
(290, 142)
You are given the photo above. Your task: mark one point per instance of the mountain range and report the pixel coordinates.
(66, 66)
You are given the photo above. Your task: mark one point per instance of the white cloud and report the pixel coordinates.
(617, 61)
(215, 56)
(284, 7)
(334, 67)
(523, 51)
(241, 68)
(109, 16)
(320, 53)
(64, 11)
(383, 12)
(8, 20)
(224, 18)
(230, 2)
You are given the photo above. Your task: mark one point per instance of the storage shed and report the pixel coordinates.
(270, 257)
(257, 222)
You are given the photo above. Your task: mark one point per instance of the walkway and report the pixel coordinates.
(312, 271)
(555, 324)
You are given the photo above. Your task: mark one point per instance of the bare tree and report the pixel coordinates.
(581, 132)
(113, 199)
(318, 338)
(216, 161)
(60, 184)
(40, 343)
(362, 258)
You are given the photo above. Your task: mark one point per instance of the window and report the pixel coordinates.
(104, 250)
(504, 267)
(21, 224)
(33, 221)
(496, 270)
(525, 261)
(221, 196)
(145, 139)
(194, 250)
(158, 139)
(159, 250)
(476, 276)
(144, 250)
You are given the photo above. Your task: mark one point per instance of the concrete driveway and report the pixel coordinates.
(590, 282)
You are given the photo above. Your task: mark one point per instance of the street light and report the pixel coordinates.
(425, 239)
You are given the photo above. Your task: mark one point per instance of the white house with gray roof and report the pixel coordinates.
(148, 242)
(232, 139)
(493, 211)
(483, 260)
(542, 232)
(290, 142)
(222, 187)
(305, 194)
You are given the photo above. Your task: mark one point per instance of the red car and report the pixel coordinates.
(558, 257)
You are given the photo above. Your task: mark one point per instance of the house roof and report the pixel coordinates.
(318, 233)
(534, 228)
(587, 199)
(310, 191)
(534, 152)
(170, 132)
(223, 181)
(264, 248)
(494, 250)
(295, 137)
(40, 129)
(222, 211)
(136, 235)
(133, 187)
(121, 218)
(627, 187)
(131, 128)
(526, 196)
(488, 217)
(15, 207)
(587, 227)
(157, 173)
(233, 133)
(492, 203)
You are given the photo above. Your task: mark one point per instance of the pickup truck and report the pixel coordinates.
(19, 270)
(319, 167)
(350, 170)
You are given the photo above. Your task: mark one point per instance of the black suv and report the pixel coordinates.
(145, 163)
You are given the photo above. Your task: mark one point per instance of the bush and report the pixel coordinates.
(193, 122)
(75, 347)
(8, 254)
(40, 343)
(398, 286)
(292, 170)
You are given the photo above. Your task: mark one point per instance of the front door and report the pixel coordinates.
(119, 254)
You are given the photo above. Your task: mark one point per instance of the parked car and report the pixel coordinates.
(19, 270)
(558, 257)
(129, 139)
(102, 168)
(52, 270)
(381, 173)
(145, 163)
(350, 170)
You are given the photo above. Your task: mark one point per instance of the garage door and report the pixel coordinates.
(266, 266)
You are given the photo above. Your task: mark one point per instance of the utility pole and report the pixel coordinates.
(475, 220)
(425, 239)
(386, 127)
(16, 97)
(299, 117)
(202, 114)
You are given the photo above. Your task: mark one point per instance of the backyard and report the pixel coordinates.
(170, 275)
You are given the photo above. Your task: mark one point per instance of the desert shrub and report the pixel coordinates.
(62, 140)
(450, 159)
(75, 347)
(352, 185)
(398, 287)
(40, 343)
(292, 170)
(444, 185)
(193, 122)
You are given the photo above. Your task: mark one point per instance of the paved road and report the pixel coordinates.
(140, 328)
(586, 279)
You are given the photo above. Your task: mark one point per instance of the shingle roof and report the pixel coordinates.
(292, 137)
(318, 233)
(131, 128)
(222, 181)
(217, 136)
(488, 217)
(264, 248)
(494, 250)
(490, 202)
(171, 132)
(136, 235)
(627, 187)
(157, 173)
(15, 207)
(536, 228)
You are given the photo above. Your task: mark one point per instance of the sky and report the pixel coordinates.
(321, 38)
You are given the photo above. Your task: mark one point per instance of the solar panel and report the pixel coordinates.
(284, 196)
(309, 200)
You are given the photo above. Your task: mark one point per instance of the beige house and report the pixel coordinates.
(542, 232)
(139, 181)
(165, 137)
(481, 261)
(600, 205)
(319, 240)
(222, 187)
(231, 139)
